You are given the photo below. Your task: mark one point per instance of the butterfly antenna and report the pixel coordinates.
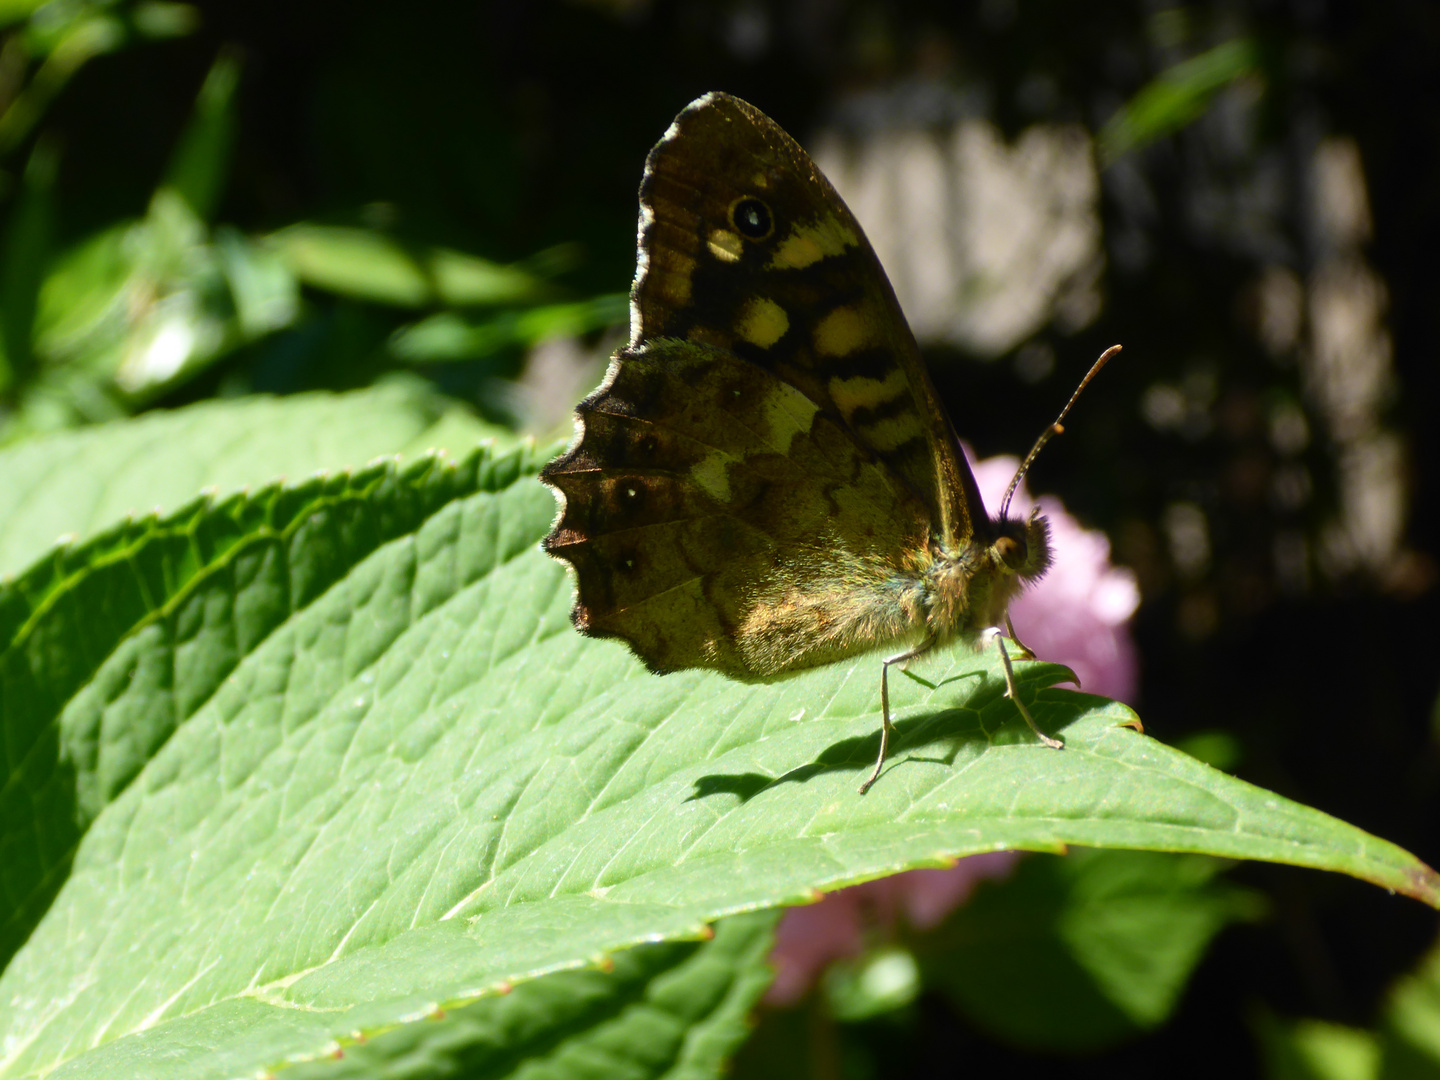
(1054, 429)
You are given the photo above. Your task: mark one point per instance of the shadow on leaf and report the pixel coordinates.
(745, 785)
(958, 725)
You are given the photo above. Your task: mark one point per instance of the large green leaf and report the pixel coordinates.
(78, 482)
(675, 1010)
(68, 751)
(389, 776)
(112, 645)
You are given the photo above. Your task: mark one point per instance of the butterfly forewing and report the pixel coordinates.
(745, 245)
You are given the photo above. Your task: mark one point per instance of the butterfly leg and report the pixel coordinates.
(1023, 651)
(886, 727)
(1013, 692)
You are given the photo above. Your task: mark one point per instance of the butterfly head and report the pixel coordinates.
(1021, 549)
(968, 590)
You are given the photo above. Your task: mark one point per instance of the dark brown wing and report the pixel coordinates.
(745, 246)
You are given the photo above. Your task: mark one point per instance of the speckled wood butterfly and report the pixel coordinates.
(766, 481)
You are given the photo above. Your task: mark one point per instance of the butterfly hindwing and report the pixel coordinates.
(713, 514)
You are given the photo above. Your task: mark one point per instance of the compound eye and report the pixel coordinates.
(1011, 552)
(752, 219)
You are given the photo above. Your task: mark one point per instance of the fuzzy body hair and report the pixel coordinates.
(937, 595)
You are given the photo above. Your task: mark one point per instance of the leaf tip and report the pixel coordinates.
(1424, 885)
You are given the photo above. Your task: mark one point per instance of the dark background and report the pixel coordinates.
(505, 129)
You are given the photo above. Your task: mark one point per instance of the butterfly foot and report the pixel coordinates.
(871, 779)
(886, 727)
(1013, 693)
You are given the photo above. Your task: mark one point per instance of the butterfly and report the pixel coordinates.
(765, 480)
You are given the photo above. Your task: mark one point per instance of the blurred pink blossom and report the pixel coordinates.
(809, 938)
(1077, 615)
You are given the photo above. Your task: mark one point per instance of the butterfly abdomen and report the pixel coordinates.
(936, 594)
(799, 622)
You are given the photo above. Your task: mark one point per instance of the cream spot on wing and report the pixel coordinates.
(807, 244)
(891, 433)
(711, 477)
(725, 245)
(860, 392)
(762, 321)
(760, 180)
(786, 413)
(842, 331)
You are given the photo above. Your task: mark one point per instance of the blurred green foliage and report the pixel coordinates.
(1176, 97)
(117, 319)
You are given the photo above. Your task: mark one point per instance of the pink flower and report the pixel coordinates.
(1076, 615)
(1079, 612)
(809, 938)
